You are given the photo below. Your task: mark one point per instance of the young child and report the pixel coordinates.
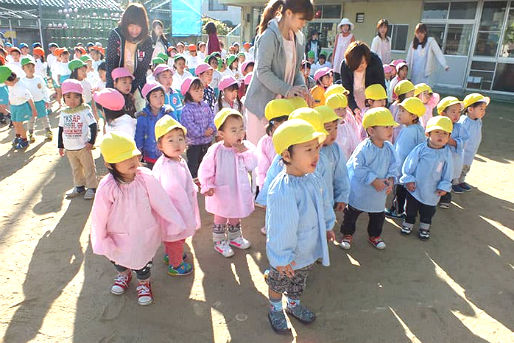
(212, 60)
(430, 100)
(347, 134)
(375, 97)
(112, 104)
(222, 68)
(388, 73)
(41, 66)
(412, 134)
(289, 216)
(232, 66)
(451, 107)
(130, 214)
(401, 74)
(122, 79)
(204, 73)
(60, 71)
(404, 89)
(4, 95)
(475, 105)
(322, 62)
(79, 72)
(323, 78)
(179, 64)
(426, 174)
(102, 77)
(372, 170)
(223, 174)
(146, 120)
(172, 173)
(37, 88)
(198, 119)
(247, 67)
(306, 71)
(164, 75)
(77, 136)
(229, 94)
(193, 59)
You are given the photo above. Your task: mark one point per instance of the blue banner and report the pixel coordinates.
(186, 18)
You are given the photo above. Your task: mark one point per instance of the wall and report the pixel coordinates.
(232, 13)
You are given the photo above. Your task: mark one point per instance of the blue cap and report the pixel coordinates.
(8, 44)
(53, 45)
(90, 44)
(23, 45)
(35, 45)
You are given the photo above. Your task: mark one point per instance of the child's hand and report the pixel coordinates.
(89, 146)
(209, 193)
(440, 193)
(208, 132)
(411, 186)
(339, 206)
(287, 270)
(240, 147)
(61, 152)
(452, 142)
(390, 184)
(331, 236)
(379, 184)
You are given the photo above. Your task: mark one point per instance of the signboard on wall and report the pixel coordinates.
(186, 18)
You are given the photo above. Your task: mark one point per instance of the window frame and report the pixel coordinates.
(390, 31)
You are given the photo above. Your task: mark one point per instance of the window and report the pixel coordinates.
(463, 10)
(327, 12)
(398, 35)
(214, 5)
(481, 75)
(503, 80)
(508, 39)
(437, 10)
(437, 32)
(458, 39)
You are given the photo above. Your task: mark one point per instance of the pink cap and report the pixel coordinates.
(202, 67)
(388, 68)
(248, 78)
(161, 68)
(396, 62)
(110, 98)
(121, 72)
(226, 82)
(186, 84)
(321, 72)
(400, 66)
(243, 67)
(147, 88)
(71, 86)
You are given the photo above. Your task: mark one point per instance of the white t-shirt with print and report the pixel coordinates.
(37, 88)
(75, 124)
(19, 94)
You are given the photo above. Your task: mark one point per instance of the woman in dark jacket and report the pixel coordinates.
(130, 46)
(313, 44)
(360, 69)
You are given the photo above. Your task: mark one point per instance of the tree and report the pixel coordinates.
(221, 27)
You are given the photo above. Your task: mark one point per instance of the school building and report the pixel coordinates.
(477, 37)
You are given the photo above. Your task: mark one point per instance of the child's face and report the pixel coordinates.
(304, 158)
(180, 64)
(173, 144)
(65, 57)
(202, 48)
(214, 64)
(409, 94)
(102, 74)
(341, 113)
(234, 65)
(453, 112)
(78, 53)
(322, 60)
(156, 99)
(24, 51)
(192, 53)
(241, 58)
(311, 60)
(249, 69)
(206, 77)
(424, 97)
(377, 103)
(165, 78)
(29, 69)
(393, 72)
(381, 133)
(402, 73)
(233, 131)
(123, 84)
(306, 71)
(332, 132)
(230, 94)
(438, 138)
(15, 56)
(127, 168)
(180, 48)
(326, 80)
(276, 124)
(196, 93)
(81, 73)
(388, 76)
(72, 100)
(477, 112)
(345, 28)
(405, 117)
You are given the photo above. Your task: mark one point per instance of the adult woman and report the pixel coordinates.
(381, 44)
(360, 69)
(160, 43)
(313, 45)
(213, 43)
(422, 55)
(279, 49)
(341, 43)
(130, 46)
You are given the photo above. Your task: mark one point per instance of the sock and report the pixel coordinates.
(276, 304)
(293, 302)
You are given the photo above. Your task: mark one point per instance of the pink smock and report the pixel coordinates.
(430, 105)
(265, 155)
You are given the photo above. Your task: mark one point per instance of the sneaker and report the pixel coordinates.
(49, 135)
(121, 283)
(301, 313)
(278, 322)
(75, 192)
(423, 234)
(144, 293)
(391, 213)
(166, 258)
(346, 242)
(263, 230)
(184, 268)
(16, 140)
(240, 243)
(223, 248)
(466, 187)
(406, 230)
(444, 205)
(377, 242)
(457, 189)
(22, 144)
(31, 137)
(90, 194)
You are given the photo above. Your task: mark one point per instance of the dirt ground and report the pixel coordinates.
(456, 287)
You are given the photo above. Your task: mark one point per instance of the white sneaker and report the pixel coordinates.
(240, 243)
(90, 194)
(263, 230)
(75, 192)
(144, 294)
(224, 249)
(121, 283)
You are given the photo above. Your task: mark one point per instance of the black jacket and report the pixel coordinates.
(115, 56)
(374, 74)
(308, 48)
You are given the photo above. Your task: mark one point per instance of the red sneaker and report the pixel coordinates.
(144, 293)
(121, 283)
(377, 242)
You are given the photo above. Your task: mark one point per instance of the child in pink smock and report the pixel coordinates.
(173, 174)
(430, 100)
(223, 175)
(130, 213)
(348, 132)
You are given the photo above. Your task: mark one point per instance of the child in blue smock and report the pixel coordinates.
(372, 169)
(299, 221)
(412, 134)
(164, 75)
(451, 107)
(475, 105)
(426, 174)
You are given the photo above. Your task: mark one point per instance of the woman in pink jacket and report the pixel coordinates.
(130, 214)
(223, 175)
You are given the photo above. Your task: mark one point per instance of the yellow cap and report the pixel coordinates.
(326, 114)
(311, 116)
(298, 102)
(278, 108)
(337, 101)
(117, 147)
(165, 125)
(295, 131)
(422, 87)
(439, 123)
(403, 87)
(379, 116)
(375, 92)
(447, 102)
(414, 106)
(222, 115)
(336, 89)
(473, 98)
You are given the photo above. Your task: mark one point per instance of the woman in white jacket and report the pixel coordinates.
(422, 55)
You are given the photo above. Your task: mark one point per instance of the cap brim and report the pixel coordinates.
(125, 156)
(433, 128)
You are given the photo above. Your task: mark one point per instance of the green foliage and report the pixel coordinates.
(221, 27)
